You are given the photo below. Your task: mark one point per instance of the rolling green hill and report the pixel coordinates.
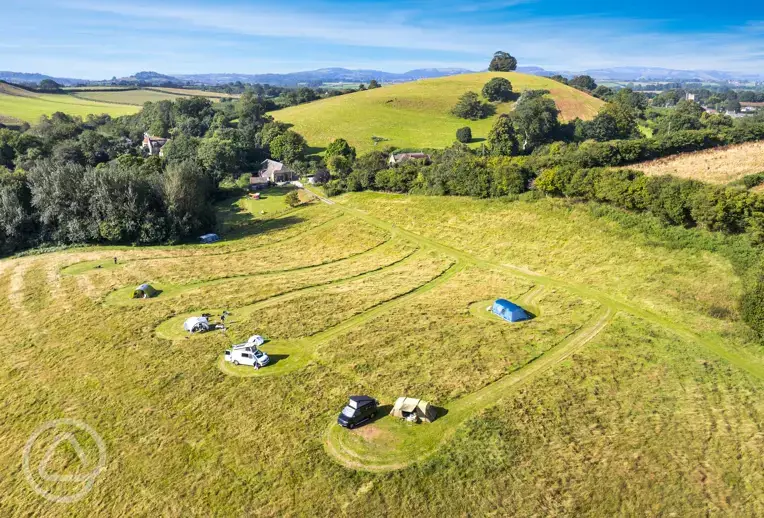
(417, 114)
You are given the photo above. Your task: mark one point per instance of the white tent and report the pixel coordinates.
(256, 340)
(196, 324)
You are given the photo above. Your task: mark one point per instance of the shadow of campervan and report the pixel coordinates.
(382, 411)
(276, 358)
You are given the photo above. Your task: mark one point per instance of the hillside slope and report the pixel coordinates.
(417, 114)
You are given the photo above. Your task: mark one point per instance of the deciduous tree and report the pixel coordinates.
(498, 89)
(471, 107)
(502, 62)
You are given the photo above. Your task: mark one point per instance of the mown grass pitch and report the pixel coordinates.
(417, 114)
(627, 395)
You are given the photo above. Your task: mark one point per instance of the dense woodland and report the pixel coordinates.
(68, 180)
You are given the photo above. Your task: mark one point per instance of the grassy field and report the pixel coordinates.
(137, 97)
(635, 390)
(131, 97)
(194, 93)
(417, 114)
(719, 165)
(17, 104)
(29, 106)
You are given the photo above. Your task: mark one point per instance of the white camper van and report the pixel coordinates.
(247, 354)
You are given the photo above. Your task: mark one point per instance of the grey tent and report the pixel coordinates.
(144, 291)
(197, 325)
(414, 409)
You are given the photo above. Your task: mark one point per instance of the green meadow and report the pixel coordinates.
(29, 107)
(635, 390)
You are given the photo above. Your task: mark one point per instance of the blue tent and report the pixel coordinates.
(508, 311)
(209, 238)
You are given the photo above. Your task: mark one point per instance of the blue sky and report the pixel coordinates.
(98, 39)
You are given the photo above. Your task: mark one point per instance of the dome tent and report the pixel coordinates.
(145, 291)
(408, 407)
(509, 311)
(197, 325)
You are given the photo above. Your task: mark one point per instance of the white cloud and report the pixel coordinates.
(570, 43)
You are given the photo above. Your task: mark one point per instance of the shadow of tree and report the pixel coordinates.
(236, 222)
(314, 150)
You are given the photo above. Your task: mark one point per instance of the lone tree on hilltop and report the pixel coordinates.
(374, 84)
(498, 89)
(502, 62)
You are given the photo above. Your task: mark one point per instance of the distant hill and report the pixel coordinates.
(668, 74)
(24, 78)
(323, 75)
(344, 75)
(417, 114)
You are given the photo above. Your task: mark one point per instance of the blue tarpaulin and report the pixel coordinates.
(509, 311)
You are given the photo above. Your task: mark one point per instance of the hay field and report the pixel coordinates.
(29, 106)
(195, 93)
(719, 165)
(628, 394)
(138, 97)
(417, 114)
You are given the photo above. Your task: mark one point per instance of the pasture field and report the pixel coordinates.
(29, 106)
(137, 97)
(195, 93)
(132, 97)
(417, 115)
(97, 88)
(719, 165)
(635, 390)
